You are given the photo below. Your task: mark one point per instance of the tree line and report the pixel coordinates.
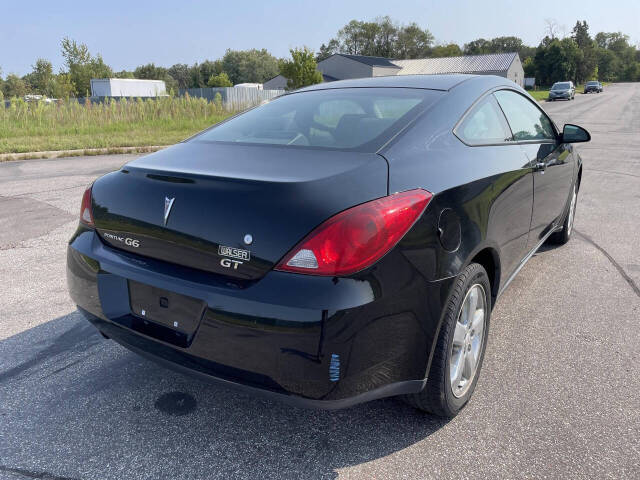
(80, 66)
(607, 56)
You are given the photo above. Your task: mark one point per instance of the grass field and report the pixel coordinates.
(539, 95)
(31, 127)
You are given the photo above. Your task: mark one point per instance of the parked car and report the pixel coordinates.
(562, 90)
(342, 243)
(38, 98)
(593, 86)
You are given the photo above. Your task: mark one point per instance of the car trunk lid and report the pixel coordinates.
(232, 209)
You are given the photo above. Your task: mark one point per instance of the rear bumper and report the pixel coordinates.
(187, 364)
(311, 341)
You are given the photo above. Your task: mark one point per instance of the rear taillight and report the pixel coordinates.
(86, 212)
(356, 238)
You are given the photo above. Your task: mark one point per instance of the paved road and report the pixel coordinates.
(558, 397)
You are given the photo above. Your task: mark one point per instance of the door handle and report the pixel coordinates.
(540, 167)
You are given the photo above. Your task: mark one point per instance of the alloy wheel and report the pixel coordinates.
(468, 339)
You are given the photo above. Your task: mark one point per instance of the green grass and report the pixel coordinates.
(31, 127)
(539, 95)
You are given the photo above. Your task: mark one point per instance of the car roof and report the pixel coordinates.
(429, 82)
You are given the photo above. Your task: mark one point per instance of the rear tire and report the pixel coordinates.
(563, 236)
(460, 347)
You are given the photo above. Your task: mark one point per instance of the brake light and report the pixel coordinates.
(86, 212)
(358, 237)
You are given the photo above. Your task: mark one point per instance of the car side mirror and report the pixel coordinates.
(574, 134)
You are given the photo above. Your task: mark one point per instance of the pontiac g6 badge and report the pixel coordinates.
(168, 203)
(132, 242)
(237, 256)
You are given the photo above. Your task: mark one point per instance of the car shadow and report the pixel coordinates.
(547, 247)
(76, 405)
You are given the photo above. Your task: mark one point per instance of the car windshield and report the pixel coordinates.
(349, 118)
(561, 86)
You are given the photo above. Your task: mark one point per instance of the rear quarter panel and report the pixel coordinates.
(490, 188)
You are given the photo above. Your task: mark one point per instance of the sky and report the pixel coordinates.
(135, 32)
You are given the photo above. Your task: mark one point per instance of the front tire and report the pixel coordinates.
(460, 347)
(564, 235)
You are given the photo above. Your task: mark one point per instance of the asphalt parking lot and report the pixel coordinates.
(559, 394)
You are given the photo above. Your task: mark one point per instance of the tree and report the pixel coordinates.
(195, 77)
(180, 73)
(450, 50)
(386, 37)
(124, 74)
(616, 57)
(586, 67)
(478, 47)
(74, 53)
(249, 66)
(220, 80)
(351, 38)
(608, 64)
(499, 45)
(152, 72)
(631, 72)
(61, 86)
(380, 38)
(41, 77)
(413, 42)
(618, 43)
(557, 61)
(301, 70)
(552, 28)
(209, 69)
(529, 67)
(506, 45)
(332, 47)
(14, 86)
(82, 66)
(580, 34)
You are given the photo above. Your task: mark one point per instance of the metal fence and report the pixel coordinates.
(233, 98)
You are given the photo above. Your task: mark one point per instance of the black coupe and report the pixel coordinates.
(342, 243)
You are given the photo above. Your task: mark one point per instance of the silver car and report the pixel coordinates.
(562, 90)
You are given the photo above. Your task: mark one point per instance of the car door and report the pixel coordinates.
(551, 160)
(485, 129)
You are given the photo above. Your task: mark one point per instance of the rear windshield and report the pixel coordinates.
(592, 83)
(561, 86)
(349, 118)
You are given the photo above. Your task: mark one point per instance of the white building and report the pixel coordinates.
(249, 85)
(127, 87)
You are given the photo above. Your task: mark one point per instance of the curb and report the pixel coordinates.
(8, 157)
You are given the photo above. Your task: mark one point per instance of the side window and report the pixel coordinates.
(527, 121)
(484, 125)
